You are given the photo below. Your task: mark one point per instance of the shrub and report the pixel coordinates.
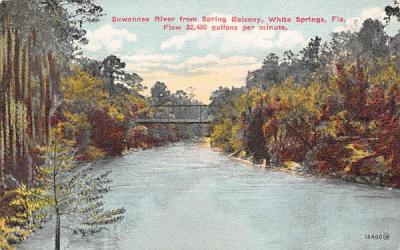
(106, 133)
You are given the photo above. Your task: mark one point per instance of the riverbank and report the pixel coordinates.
(294, 168)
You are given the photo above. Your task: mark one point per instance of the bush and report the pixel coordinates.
(106, 133)
(90, 154)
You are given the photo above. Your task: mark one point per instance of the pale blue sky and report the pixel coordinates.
(206, 60)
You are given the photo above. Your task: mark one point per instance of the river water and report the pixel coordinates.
(187, 196)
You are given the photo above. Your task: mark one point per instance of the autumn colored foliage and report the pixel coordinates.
(346, 126)
(332, 109)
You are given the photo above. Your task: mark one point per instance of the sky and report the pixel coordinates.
(201, 61)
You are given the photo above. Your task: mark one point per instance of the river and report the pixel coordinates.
(187, 196)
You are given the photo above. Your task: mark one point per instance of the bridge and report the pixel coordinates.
(177, 114)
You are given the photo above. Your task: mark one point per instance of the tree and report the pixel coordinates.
(254, 137)
(181, 97)
(310, 54)
(268, 75)
(91, 66)
(394, 44)
(373, 39)
(113, 70)
(344, 46)
(29, 86)
(32, 62)
(392, 11)
(83, 92)
(76, 194)
(222, 103)
(98, 122)
(63, 20)
(108, 133)
(160, 94)
(133, 82)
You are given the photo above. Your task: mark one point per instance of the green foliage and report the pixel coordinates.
(83, 92)
(76, 194)
(221, 136)
(32, 63)
(90, 154)
(29, 204)
(5, 234)
(97, 114)
(88, 204)
(23, 213)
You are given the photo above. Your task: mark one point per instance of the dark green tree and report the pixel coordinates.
(113, 71)
(160, 94)
(310, 54)
(373, 40)
(268, 75)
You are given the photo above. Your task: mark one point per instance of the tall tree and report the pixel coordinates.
(32, 60)
(268, 75)
(113, 70)
(373, 39)
(310, 54)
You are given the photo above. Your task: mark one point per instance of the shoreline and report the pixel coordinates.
(361, 181)
(205, 142)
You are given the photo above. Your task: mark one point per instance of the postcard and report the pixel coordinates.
(210, 125)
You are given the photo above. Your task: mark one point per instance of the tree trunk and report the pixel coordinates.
(28, 84)
(56, 205)
(57, 242)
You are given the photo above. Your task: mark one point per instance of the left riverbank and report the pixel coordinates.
(41, 217)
